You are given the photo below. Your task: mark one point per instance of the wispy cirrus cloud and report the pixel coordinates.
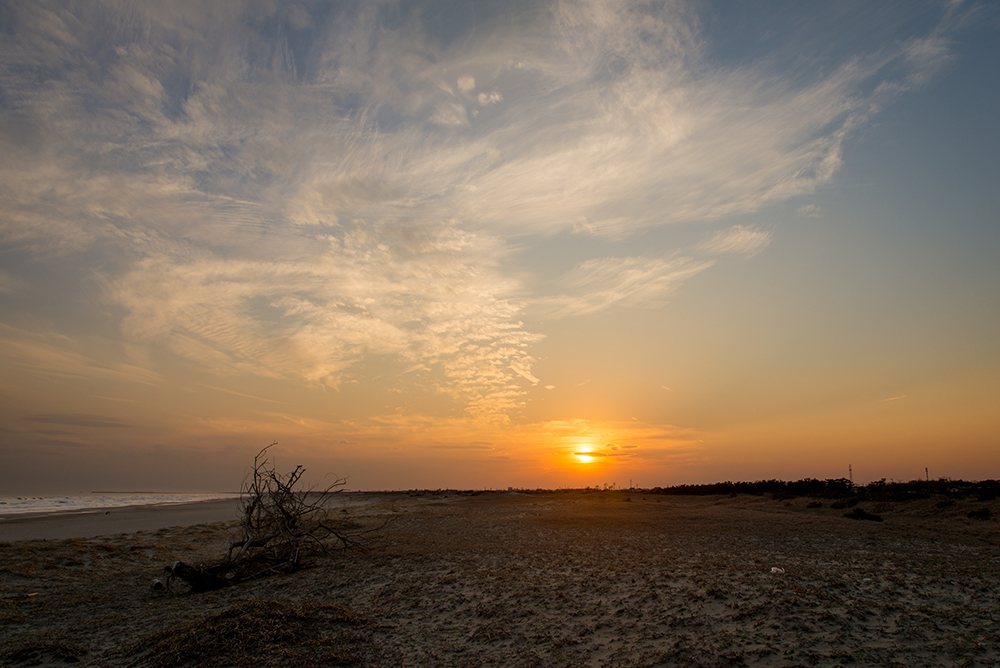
(742, 239)
(426, 296)
(78, 420)
(58, 358)
(285, 190)
(810, 211)
(608, 117)
(462, 446)
(601, 283)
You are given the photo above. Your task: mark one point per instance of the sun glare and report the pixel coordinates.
(584, 458)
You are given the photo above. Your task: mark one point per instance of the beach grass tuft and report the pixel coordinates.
(47, 654)
(259, 633)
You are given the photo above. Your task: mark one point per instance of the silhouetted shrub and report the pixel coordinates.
(981, 514)
(860, 514)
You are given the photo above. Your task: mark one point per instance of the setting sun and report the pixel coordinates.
(584, 457)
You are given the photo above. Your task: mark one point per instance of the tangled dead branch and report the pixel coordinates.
(279, 527)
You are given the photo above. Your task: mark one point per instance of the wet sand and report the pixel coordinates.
(129, 519)
(553, 579)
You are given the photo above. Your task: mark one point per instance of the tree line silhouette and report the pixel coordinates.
(879, 490)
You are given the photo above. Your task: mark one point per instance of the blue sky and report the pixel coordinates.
(450, 244)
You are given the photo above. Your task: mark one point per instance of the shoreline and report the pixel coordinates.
(14, 506)
(925, 517)
(89, 523)
(107, 521)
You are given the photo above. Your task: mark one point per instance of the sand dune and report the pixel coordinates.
(553, 579)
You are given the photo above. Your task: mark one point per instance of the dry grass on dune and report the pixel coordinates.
(551, 579)
(258, 633)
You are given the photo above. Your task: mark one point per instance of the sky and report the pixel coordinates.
(463, 244)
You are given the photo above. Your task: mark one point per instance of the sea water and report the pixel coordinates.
(22, 505)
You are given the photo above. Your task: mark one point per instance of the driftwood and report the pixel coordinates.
(279, 527)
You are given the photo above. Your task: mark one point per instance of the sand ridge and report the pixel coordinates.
(546, 579)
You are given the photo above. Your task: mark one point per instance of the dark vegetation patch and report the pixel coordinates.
(48, 654)
(814, 504)
(844, 489)
(861, 514)
(260, 634)
(981, 514)
(776, 488)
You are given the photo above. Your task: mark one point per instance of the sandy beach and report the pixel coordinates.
(524, 579)
(128, 519)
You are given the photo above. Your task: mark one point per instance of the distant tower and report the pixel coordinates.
(850, 473)
(927, 474)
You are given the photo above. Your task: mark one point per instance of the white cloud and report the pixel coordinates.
(491, 98)
(287, 202)
(450, 113)
(432, 298)
(744, 239)
(612, 119)
(630, 281)
(810, 211)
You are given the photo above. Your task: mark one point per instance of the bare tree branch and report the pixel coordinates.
(279, 527)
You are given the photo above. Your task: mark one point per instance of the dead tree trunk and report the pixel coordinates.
(279, 527)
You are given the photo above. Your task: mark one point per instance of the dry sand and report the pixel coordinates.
(551, 579)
